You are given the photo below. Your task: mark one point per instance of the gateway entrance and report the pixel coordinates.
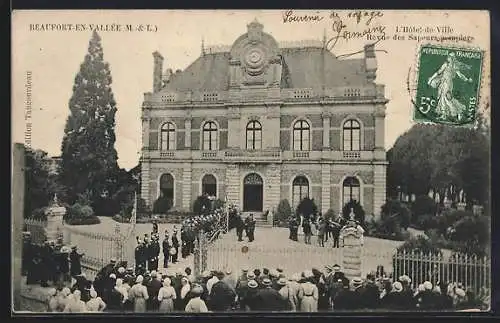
(253, 193)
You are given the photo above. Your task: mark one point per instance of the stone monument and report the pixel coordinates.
(55, 214)
(352, 247)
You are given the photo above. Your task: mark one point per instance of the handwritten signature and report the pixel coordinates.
(339, 24)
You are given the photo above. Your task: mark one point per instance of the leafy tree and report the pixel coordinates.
(307, 207)
(162, 205)
(283, 211)
(422, 209)
(201, 205)
(40, 184)
(359, 212)
(395, 216)
(89, 159)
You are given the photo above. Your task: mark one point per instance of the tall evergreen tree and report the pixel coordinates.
(89, 159)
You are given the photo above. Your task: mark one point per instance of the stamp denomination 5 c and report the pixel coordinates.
(448, 84)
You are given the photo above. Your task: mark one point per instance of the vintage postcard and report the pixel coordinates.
(239, 161)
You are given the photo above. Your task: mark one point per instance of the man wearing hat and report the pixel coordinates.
(230, 280)
(166, 249)
(248, 299)
(175, 246)
(154, 253)
(222, 296)
(140, 257)
(288, 294)
(269, 299)
(370, 294)
(250, 227)
(75, 262)
(153, 288)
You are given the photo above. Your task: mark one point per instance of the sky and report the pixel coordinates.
(53, 57)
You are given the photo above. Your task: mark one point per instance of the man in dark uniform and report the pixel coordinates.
(147, 252)
(175, 245)
(191, 238)
(240, 227)
(75, 262)
(294, 228)
(334, 227)
(166, 250)
(46, 265)
(154, 253)
(138, 257)
(184, 247)
(155, 227)
(250, 227)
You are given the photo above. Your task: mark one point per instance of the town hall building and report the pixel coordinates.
(261, 121)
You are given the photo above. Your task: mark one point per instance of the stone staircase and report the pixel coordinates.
(260, 219)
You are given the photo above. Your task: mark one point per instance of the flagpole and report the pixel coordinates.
(227, 215)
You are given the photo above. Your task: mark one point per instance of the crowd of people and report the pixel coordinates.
(323, 227)
(119, 289)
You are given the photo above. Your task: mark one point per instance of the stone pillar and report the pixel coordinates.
(233, 127)
(326, 130)
(272, 190)
(54, 228)
(145, 178)
(145, 132)
(186, 186)
(271, 130)
(187, 132)
(380, 127)
(17, 222)
(233, 184)
(325, 187)
(351, 252)
(379, 188)
(157, 71)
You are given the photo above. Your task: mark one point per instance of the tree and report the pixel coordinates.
(357, 209)
(307, 207)
(37, 181)
(89, 159)
(283, 211)
(201, 205)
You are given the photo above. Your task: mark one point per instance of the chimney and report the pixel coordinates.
(157, 71)
(370, 62)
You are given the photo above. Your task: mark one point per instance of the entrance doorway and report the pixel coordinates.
(253, 193)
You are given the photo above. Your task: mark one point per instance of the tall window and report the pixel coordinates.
(352, 137)
(350, 190)
(301, 135)
(167, 187)
(210, 136)
(168, 136)
(209, 185)
(254, 135)
(300, 190)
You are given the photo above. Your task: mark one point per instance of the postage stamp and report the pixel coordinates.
(448, 84)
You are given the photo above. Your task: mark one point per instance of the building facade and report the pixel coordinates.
(259, 122)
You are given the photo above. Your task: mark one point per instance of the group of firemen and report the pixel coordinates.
(49, 262)
(148, 248)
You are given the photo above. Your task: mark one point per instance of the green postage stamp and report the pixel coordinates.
(448, 84)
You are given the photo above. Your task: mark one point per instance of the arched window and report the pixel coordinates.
(301, 131)
(254, 135)
(350, 190)
(167, 187)
(168, 136)
(209, 185)
(300, 190)
(352, 135)
(210, 136)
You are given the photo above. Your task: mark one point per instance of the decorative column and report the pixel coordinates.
(380, 128)
(145, 179)
(326, 130)
(272, 128)
(233, 127)
(233, 184)
(186, 186)
(145, 130)
(379, 188)
(273, 190)
(187, 132)
(325, 187)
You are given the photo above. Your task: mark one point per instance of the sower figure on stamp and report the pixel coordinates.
(166, 249)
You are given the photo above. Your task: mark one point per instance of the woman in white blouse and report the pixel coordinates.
(185, 289)
(138, 294)
(95, 304)
(166, 297)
